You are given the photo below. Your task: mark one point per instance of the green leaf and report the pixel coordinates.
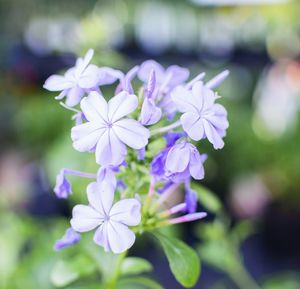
(134, 265)
(65, 272)
(207, 198)
(138, 283)
(183, 260)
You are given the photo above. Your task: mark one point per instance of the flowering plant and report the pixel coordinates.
(144, 142)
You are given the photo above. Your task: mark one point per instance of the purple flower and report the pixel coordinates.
(170, 77)
(70, 238)
(62, 188)
(76, 80)
(107, 75)
(201, 116)
(158, 165)
(190, 198)
(107, 131)
(125, 80)
(150, 113)
(183, 160)
(107, 174)
(111, 221)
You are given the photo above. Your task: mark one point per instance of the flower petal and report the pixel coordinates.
(110, 150)
(57, 83)
(147, 67)
(150, 114)
(121, 105)
(184, 100)
(85, 218)
(132, 133)
(179, 75)
(213, 135)
(178, 158)
(85, 136)
(127, 211)
(94, 107)
(101, 237)
(101, 197)
(89, 77)
(74, 96)
(196, 165)
(192, 125)
(119, 236)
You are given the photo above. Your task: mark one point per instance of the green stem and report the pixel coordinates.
(243, 279)
(112, 284)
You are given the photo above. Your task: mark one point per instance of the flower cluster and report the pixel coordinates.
(151, 135)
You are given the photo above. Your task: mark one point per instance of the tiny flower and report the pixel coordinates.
(190, 198)
(70, 238)
(150, 113)
(62, 188)
(201, 116)
(170, 77)
(107, 131)
(111, 221)
(183, 160)
(76, 80)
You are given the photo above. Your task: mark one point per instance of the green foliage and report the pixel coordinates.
(138, 283)
(207, 198)
(183, 260)
(135, 265)
(65, 272)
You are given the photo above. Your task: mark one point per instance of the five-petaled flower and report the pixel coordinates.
(107, 131)
(202, 117)
(111, 221)
(78, 79)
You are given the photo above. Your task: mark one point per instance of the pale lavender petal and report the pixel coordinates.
(172, 137)
(107, 174)
(74, 96)
(82, 63)
(179, 74)
(85, 136)
(192, 125)
(101, 237)
(85, 218)
(94, 107)
(196, 165)
(57, 83)
(141, 154)
(198, 98)
(101, 196)
(213, 135)
(110, 150)
(107, 75)
(147, 67)
(183, 100)
(121, 105)
(132, 133)
(178, 158)
(151, 84)
(127, 212)
(119, 236)
(150, 114)
(89, 77)
(70, 238)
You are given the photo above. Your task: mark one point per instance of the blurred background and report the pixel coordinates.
(256, 175)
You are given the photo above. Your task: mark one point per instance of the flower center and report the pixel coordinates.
(109, 124)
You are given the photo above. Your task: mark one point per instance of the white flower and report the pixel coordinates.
(201, 117)
(111, 221)
(107, 131)
(83, 76)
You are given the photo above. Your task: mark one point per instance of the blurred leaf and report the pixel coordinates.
(134, 265)
(65, 272)
(207, 198)
(283, 281)
(138, 283)
(183, 260)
